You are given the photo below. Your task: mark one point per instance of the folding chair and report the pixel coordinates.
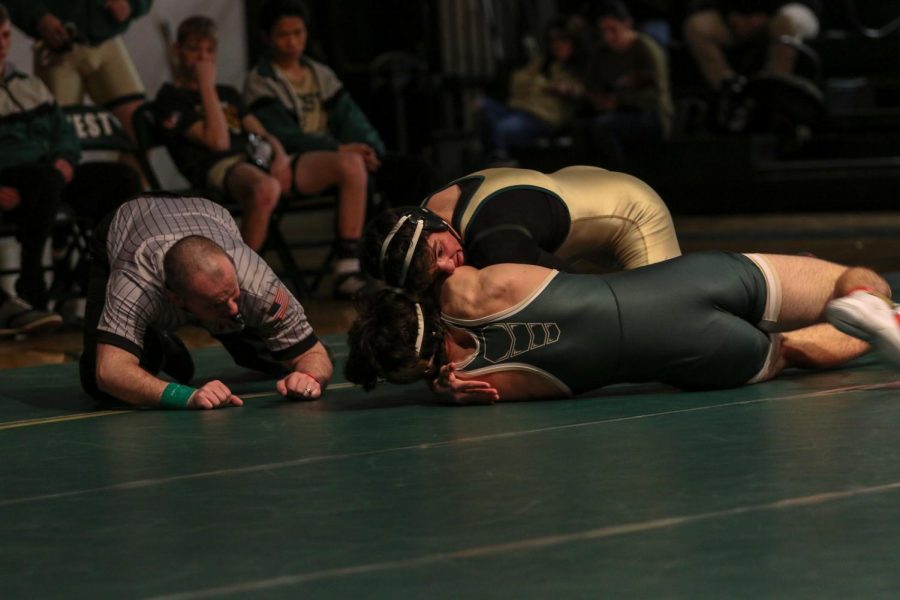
(304, 280)
(148, 137)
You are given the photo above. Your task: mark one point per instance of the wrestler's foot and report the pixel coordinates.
(870, 317)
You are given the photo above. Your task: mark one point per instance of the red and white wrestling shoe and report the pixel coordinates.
(871, 317)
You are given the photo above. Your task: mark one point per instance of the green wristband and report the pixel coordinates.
(176, 396)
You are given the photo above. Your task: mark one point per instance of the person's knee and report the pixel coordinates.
(860, 277)
(262, 195)
(794, 20)
(704, 26)
(351, 168)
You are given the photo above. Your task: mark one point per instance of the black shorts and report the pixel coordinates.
(695, 322)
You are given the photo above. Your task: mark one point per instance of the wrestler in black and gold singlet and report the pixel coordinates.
(576, 219)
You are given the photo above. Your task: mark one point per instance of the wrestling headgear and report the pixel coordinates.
(421, 219)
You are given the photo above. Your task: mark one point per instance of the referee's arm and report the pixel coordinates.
(120, 375)
(310, 374)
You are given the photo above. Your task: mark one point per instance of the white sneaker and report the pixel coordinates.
(871, 318)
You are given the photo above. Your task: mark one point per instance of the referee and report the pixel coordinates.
(162, 261)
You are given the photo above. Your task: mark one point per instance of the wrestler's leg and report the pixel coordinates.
(870, 315)
(805, 286)
(819, 346)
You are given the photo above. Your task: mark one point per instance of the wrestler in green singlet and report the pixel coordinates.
(582, 332)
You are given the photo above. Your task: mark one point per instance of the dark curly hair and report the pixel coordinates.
(421, 274)
(382, 338)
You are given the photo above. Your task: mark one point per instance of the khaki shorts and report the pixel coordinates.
(219, 171)
(104, 72)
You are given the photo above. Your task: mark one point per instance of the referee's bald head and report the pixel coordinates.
(192, 257)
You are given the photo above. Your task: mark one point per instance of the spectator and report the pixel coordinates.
(80, 50)
(216, 143)
(628, 86)
(39, 155)
(715, 28)
(543, 95)
(307, 107)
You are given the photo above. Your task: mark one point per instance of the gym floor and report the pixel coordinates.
(783, 489)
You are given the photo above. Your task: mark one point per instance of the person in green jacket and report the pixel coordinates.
(80, 51)
(39, 154)
(306, 106)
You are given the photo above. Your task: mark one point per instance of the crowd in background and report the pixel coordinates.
(603, 78)
(599, 74)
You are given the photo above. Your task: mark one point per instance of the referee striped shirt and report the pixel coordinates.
(141, 232)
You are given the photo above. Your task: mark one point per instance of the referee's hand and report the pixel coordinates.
(214, 394)
(299, 385)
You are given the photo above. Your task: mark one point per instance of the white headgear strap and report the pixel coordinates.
(411, 251)
(387, 241)
(420, 330)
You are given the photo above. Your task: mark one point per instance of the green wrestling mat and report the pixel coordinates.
(789, 488)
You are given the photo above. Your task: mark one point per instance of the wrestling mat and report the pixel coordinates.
(789, 488)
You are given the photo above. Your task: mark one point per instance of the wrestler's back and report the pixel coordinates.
(610, 214)
(536, 333)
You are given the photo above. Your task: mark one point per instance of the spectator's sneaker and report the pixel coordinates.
(346, 285)
(18, 317)
(870, 317)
